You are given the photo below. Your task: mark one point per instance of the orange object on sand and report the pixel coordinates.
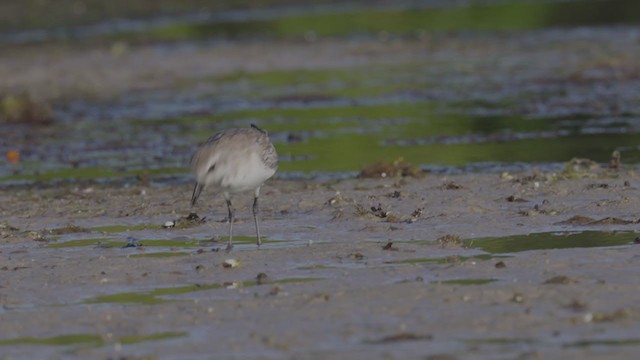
(13, 156)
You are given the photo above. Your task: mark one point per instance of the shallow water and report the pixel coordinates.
(320, 20)
(89, 340)
(158, 296)
(499, 109)
(553, 240)
(330, 137)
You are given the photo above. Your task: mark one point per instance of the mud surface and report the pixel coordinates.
(371, 268)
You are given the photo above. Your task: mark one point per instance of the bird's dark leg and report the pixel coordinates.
(255, 218)
(197, 189)
(231, 218)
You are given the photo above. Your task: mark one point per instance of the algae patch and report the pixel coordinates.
(154, 296)
(109, 229)
(89, 339)
(445, 260)
(135, 339)
(164, 254)
(62, 340)
(466, 281)
(501, 341)
(151, 297)
(107, 243)
(399, 22)
(552, 240)
(604, 342)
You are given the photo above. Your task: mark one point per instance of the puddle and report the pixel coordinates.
(316, 267)
(89, 340)
(72, 228)
(159, 254)
(62, 340)
(338, 134)
(605, 342)
(500, 341)
(327, 87)
(445, 260)
(342, 140)
(465, 281)
(295, 22)
(151, 297)
(65, 173)
(332, 121)
(104, 242)
(136, 339)
(109, 229)
(552, 240)
(154, 296)
(111, 243)
(155, 243)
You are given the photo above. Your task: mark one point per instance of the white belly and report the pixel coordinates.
(236, 175)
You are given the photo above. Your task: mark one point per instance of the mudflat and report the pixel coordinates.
(509, 264)
(437, 267)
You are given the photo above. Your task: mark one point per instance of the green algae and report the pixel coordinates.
(382, 22)
(136, 339)
(501, 341)
(88, 173)
(67, 229)
(108, 229)
(552, 240)
(413, 132)
(604, 342)
(85, 242)
(106, 242)
(155, 243)
(465, 281)
(308, 85)
(445, 260)
(89, 339)
(359, 134)
(316, 267)
(159, 255)
(421, 133)
(61, 340)
(353, 151)
(154, 296)
(250, 240)
(499, 16)
(347, 138)
(327, 116)
(151, 297)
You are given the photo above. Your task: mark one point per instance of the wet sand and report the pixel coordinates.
(331, 290)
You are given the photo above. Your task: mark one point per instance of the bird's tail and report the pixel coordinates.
(197, 189)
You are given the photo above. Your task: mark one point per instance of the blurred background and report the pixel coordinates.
(123, 91)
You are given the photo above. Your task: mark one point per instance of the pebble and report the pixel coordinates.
(169, 224)
(230, 263)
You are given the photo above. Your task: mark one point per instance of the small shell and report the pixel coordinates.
(588, 317)
(169, 224)
(230, 263)
(231, 285)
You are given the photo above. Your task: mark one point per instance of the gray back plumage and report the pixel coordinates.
(235, 141)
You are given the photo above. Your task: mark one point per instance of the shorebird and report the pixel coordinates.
(233, 161)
